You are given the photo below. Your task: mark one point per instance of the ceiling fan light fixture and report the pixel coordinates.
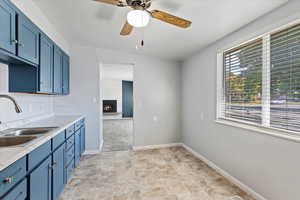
(138, 18)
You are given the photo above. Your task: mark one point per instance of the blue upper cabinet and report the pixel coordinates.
(66, 74)
(8, 27)
(58, 60)
(46, 65)
(31, 54)
(28, 40)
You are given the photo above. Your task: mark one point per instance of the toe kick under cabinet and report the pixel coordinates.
(43, 173)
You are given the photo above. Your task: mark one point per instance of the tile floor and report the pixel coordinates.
(117, 134)
(161, 174)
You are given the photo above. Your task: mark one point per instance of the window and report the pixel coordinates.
(243, 82)
(285, 79)
(261, 81)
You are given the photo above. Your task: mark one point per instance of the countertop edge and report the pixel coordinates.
(39, 141)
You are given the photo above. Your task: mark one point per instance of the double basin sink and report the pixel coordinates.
(21, 136)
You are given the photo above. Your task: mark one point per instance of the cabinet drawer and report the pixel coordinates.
(70, 155)
(78, 125)
(18, 193)
(58, 140)
(69, 171)
(11, 175)
(38, 155)
(77, 147)
(70, 131)
(70, 142)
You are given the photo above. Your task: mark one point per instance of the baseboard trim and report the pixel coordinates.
(95, 151)
(157, 146)
(101, 145)
(91, 152)
(232, 179)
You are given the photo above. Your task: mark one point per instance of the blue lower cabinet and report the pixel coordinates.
(69, 155)
(18, 193)
(70, 142)
(58, 172)
(69, 170)
(82, 140)
(70, 130)
(77, 147)
(10, 176)
(41, 181)
(43, 173)
(38, 155)
(58, 140)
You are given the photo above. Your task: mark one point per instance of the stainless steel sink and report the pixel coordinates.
(15, 141)
(27, 131)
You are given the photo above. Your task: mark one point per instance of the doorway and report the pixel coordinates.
(117, 87)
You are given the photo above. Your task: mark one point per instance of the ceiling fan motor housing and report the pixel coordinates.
(139, 4)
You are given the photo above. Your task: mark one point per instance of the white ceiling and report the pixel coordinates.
(91, 23)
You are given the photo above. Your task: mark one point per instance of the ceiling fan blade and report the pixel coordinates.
(112, 2)
(127, 29)
(171, 19)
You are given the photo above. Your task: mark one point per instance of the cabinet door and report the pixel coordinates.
(8, 27)
(28, 40)
(46, 66)
(57, 75)
(66, 74)
(77, 147)
(58, 172)
(82, 140)
(40, 182)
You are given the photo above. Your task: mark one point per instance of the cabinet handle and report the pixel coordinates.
(21, 44)
(14, 42)
(49, 167)
(54, 164)
(8, 180)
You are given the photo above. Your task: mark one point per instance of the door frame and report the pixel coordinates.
(101, 64)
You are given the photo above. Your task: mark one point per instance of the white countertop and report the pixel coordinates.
(8, 155)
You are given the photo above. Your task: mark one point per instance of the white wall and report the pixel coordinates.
(156, 95)
(267, 164)
(32, 105)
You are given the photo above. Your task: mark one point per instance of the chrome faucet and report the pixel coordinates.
(17, 107)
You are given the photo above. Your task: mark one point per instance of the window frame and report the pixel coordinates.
(265, 126)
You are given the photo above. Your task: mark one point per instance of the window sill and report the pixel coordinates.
(287, 135)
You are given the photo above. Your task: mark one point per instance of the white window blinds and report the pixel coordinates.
(261, 81)
(285, 79)
(243, 82)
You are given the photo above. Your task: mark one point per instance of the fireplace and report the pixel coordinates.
(109, 106)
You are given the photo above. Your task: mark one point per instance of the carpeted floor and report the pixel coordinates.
(117, 134)
(162, 174)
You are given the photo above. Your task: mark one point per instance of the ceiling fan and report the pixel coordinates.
(140, 15)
